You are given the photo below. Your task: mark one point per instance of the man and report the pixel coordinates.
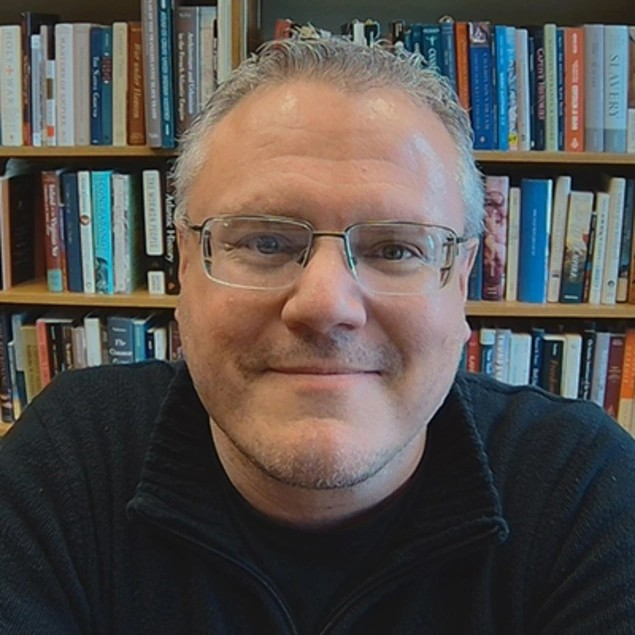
(317, 465)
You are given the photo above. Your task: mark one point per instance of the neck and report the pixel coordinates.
(314, 508)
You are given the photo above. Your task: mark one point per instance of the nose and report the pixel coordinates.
(326, 296)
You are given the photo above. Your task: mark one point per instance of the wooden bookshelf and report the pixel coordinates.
(83, 152)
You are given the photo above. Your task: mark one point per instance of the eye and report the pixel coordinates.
(394, 252)
(265, 244)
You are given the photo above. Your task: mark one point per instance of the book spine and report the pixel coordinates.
(119, 83)
(102, 231)
(153, 231)
(614, 374)
(574, 89)
(482, 95)
(586, 363)
(136, 126)
(523, 90)
(35, 97)
(551, 87)
(540, 103)
(512, 88)
(171, 254)
(513, 240)
(626, 243)
(12, 120)
(552, 360)
(95, 84)
(53, 231)
(495, 237)
(206, 54)
(448, 52)
(502, 86)
(106, 86)
(617, 195)
(166, 73)
(50, 86)
(535, 215)
(150, 40)
(120, 330)
(576, 246)
(557, 238)
(71, 229)
(85, 210)
(627, 381)
(571, 359)
(594, 87)
(615, 87)
(461, 42)
(81, 83)
(64, 89)
(602, 204)
(487, 340)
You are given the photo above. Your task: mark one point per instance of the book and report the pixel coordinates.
(594, 87)
(601, 213)
(487, 340)
(106, 86)
(166, 72)
(102, 230)
(600, 366)
(119, 83)
(626, 242)
(75, 281)
(535, 221)
(614, 374)
(54, 231)
(523, 92)
(513, 245)
(551, 86)
(86, 240)
(136, 129)
(461, 46)
(501, 63)
(150, 40)
(153, 230)
(552, 362)
(539, 104)
(121, 343)
(519, 359)
(571, 360)
(64, 85)
(30, 23)
(576, 248)
(615, 87)
(11, 81)
(574, 89)
(96, 50)
(557, 237)
(187, 70)
(495, 237)
(482, 94)
(616, 187)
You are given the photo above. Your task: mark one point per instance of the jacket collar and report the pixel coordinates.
(183, 486)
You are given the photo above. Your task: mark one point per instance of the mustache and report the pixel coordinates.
(341, 350)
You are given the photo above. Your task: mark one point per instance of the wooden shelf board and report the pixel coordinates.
(83, 152)
(519, 310)
(35, 292)
(580, 158)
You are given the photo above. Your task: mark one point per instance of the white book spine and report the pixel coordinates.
(93, 335)
(617, 192)
(513, 241)
(594, 87)
(501, 354)
(522, 90)
(160, 334)
(630, 131)
(551, 88)
(37, 118)
(615, 87)
(557, 238)
(600, 364)
(599, 247)
(206, 52)
(519, 359)
(225, 43)
(152, 212)
(119, 83)
(86, 230)
(121, 256)
(50, 111)
(571, 359)
(156, 282)
(64, 80)
(81, 83)
(11, 85)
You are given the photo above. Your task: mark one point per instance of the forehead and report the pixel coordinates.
(308, 146)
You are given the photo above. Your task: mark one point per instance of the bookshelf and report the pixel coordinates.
(252, 21)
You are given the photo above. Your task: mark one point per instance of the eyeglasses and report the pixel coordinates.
(270, 252)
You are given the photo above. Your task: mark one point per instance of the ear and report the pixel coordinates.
(465, 262)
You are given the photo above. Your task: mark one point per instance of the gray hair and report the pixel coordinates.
(351, 68)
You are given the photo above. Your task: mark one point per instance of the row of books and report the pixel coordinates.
(594, 364)
(89, 231)
(125, 83)
(539, 87)
(546, 240)
(36, 347)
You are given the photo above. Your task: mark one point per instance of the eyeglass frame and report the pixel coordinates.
(445, 272)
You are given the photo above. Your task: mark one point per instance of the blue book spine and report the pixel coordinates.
(448, 52)
(415, 41)
(166, 73)
(533, 256)
(120, 333)
(95, 84)
(102, 231)
(431, 46)
(141, 326)
(560, 89)
(106, 86)
(475, 281)
(71, 229)
(512, 94)
(502, 87)
(480, 57)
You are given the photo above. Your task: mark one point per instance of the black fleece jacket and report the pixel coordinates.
(114, 519)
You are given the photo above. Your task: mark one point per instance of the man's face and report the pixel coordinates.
(324, 384)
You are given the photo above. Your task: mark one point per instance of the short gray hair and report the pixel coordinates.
(351, 68)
